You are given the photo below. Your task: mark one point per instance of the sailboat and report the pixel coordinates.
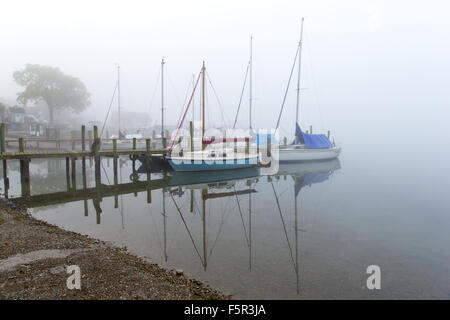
(209, 158)
(158, 161)
(124, 141)
(306, 146)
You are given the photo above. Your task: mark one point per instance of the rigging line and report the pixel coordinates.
(185, 99)
(242, 94)
(242, 218)
(217, 98)
(109, 109)
(218, 234)
(154, 91)
(315, 94)
(156, 231)
(104, 170)
(174, 90)
(287, 88)
(284, 226)
(185, 112)
(189, 232)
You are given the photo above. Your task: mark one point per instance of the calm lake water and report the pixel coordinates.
(310, 231)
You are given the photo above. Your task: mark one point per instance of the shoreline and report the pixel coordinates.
(34, 256)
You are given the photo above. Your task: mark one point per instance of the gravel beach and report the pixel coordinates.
(34, 256)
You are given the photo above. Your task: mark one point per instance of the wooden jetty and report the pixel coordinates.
(93, 151)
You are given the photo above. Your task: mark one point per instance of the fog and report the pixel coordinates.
(369, 67)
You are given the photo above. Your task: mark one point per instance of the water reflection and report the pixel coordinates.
(200, 202)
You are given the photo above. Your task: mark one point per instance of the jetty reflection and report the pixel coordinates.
(193, 200)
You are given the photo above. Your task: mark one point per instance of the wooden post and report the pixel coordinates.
(25, 177)
(98, 175)
(134, 143)
(74, 173)
(86, 211)
(269, 146)
(97, 158)
(72, 136)
(83, 138)
(247, 145)
(83, 169)
(68, 173)
(90, 138)
(96, 138)
(148, 162)
(147, 152)
(3, 138)
(98, 210)
(115, 148)
(191, 133)
(5, 178)
(149, 190)
(21, 148)
(115, 159)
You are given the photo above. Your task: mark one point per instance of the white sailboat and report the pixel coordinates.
(208, 158)
(306, 146)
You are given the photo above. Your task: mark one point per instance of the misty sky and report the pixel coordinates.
(366, 64)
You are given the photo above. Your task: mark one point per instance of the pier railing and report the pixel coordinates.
(90, 148)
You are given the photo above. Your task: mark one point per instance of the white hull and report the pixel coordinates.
(304, 154)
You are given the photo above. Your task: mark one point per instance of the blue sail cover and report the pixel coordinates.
(312, 141)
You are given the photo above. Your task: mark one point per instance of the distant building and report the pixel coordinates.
(16, 118)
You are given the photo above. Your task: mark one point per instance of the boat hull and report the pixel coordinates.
(287, 155)
(198, 178)
(202, 165)
(157, 163)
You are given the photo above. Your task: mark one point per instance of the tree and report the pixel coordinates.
(53, 87)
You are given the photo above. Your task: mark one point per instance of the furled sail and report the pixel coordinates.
(312, 141)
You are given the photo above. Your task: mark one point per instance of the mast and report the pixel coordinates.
(118, 96)
(296, 240)
(203, 101)
(164, 223)
(193, 102)
(204, 192)
(299, 68)
(250, 229)
(251, 64)
(162, 99)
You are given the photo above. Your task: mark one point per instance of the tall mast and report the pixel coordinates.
(296, 240)
(251, 63)
(162, 99)
(203, 100)
(299, 68)
(193, 101)
(118, 95)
